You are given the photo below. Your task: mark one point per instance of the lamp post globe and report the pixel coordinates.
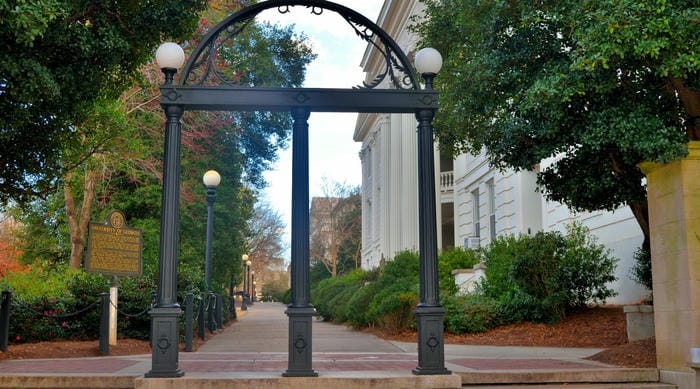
(428, 61)
(170, 56)
(211, 179)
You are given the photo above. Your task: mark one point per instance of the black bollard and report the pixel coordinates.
(4, 319)
(189, 310)
(219, 309)
(104, 323)
(200, 320)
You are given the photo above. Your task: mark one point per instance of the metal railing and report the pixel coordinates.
(447, 182)
(214, 305)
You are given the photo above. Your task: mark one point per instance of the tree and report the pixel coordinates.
(8, 249)
(59, 58)
(121, 165)
(336, 223)
(599, 86)
(264, 243)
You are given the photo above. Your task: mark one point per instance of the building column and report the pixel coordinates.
(674, 223)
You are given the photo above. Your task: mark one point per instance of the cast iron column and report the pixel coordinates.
(300, 311)
(211, 196)
(429, 313)
(244, 302)
(164, 316)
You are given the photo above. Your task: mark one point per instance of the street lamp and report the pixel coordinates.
(164, 316)
(255, 293)
(429, 313)
(211, 180)
(252, 286)
(246, 263)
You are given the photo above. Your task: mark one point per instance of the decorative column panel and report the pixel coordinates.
(674, 223)
(396, 178)
(164, 316)
(387, 200)
(429, 313)
(409, 197)
(300, 311)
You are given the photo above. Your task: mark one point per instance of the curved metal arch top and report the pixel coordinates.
(203, 66)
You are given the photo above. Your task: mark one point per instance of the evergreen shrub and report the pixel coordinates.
(543, 276)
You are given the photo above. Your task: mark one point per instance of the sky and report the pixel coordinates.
(332, 152)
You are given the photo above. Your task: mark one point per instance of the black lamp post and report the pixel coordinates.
(244, 291)
(429, 313)
(252, 291)
(211, 180)
(164, 316)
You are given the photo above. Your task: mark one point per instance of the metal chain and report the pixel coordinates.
(65, 316)
(129, 314)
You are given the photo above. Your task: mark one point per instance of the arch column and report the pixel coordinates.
(300, 311)
(429, 313)
(164, 316)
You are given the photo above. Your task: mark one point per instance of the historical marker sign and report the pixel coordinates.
(114, 248)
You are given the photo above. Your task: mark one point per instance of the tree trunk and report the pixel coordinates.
(691, 102)
(640, 210)
(78, 221)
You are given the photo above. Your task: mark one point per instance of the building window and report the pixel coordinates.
(492, 209)
(475, 213)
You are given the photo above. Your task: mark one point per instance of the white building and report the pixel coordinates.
(476, 202)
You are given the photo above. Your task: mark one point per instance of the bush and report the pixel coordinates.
(274, 290)
(384, 297)
(641, 271)
(392, 308)
(471, 313)
(64, 303)
(543, 276)
(331, 297)
(357, 310)
(455, 258)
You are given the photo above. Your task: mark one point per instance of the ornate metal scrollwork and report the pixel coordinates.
(207, 65)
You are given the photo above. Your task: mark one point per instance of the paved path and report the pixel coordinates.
(264, 328)
(253, 353)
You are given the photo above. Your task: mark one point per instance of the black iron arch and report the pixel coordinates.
(202, 87)
(201, 69)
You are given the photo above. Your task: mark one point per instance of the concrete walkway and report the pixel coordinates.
(264, 328)
(252, 353)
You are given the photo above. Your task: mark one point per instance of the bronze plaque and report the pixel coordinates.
(113, 248)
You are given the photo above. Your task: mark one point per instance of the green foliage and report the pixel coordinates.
(274, 290)
(64, 304)
(332, 295)
(384, 297)
(641, 271)
(453, 259)
(38, 282)
(471, 313)
(543, 276)
(358, 315)
(61, 57)
(601, 85)
(392, 308)
(588, 268)
(287, 297)
(318, 272)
